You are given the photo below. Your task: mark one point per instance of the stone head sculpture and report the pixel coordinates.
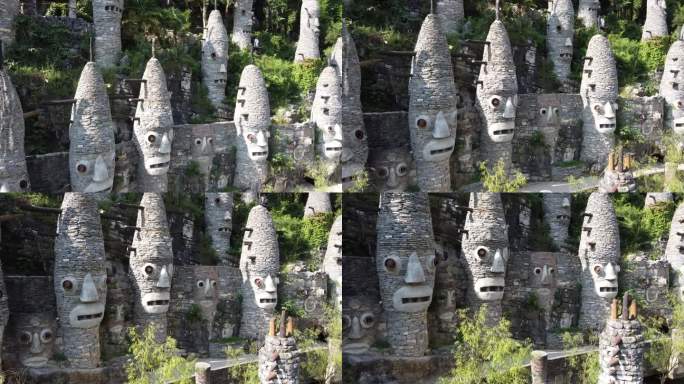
(599, 90)
(345, 60)
(332, 261)
(218, 215)
(215, 59)
(672, 86)
(391, 169)
(674, 251)
(242, 24)
(406, 264)
(557, 216)
(599, 254)
(588, 12)
(655, 24)
(559, 34)
(317, 203)
(204, 292)
(432, 107)
(107, 16)
(91, 135)
(326, 113)
(151, 264)
(451, 14)
(153, 129)
(360, 320)
(259, 265)
(4, 310)
(309, 30)
(80, 279)
(485, 248)
(13, 173)
(35, 337)
(252, 122)
(203, 148)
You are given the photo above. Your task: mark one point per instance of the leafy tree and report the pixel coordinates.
(152, 362)
(497, 179)
(486, 354)
(583, 366)
(665, 351)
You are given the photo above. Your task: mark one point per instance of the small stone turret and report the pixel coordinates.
(559, 34)
(279, 357)
(674, 249)
(588, 12)
(557, 216)
(485, 247)
(215, 59)
(672, 86)
(151, 265)
(317, 203)
(432, 108)
(621, 346)
(309, 30)
(497, 96)
(153, 129)
(406, 265)
(91, 135)
(13, 173)
(252, 122)
(218, 215)
(259, 265)
(9, 9)
(80, 279)
(243, 19)
(599, 254)
(599, 91)
(326, 113)
(451, 14)
(107, 16)
(655, 24)
(345, 60)
(332, 261)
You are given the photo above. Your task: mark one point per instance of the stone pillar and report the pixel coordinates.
(538, 366)
(309, 30)
(252, 122)
(151, 265)
(557, 216)
(599, 254)
(202, 373)
(485, 247)
(326, 114)
(674, 256)
(13, 173)
(406, 264)
(91, 136)
(4, 310)
(559, 34)
(215, 60)
(218, 216)
(317, 203)
(279, 361)
(107, 23)
(621, 350)
(243, 18)
(672, 87)
(497, 97)
(9, 9)
(153, 129)
(332, 261)
(655, 24)
(259, 266)
(432, 108)
(345, 60)
(599, 91)
(588, 12)
(80, 279)
(451, 14)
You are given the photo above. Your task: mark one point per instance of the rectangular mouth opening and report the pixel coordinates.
(157, 302)
(159, 165)
(443, 150)
(566, 55)
(503, 132)
(679, 125)
(223, 229)
(265, 301)
(563, 217)
(492, 288)
(333, 149)
(607, 125)
(607, 289)
(91, 316)
(259, 153)
(420, 299)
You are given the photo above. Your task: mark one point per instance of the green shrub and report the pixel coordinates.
(242, 373)
(152, 362)
(194, 314)
(497, 180)
(584, 367)
(640, 227)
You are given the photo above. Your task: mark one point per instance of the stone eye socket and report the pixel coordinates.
(559, 28)
(331, 130)
(339, 261)
(543, 111)
(25, 337)
(367, 320)
(251, 137)
(200, 283)
(217, 200)
(432, 262)
(149, 269)
(213, 283)
(46, 336)
(359, 134)
(68, 285)
(258, 282)
(198, 141)
(495, 101)
(537, 270)
(390, 264)
(152, 138)
(382, 172)
(598, 108)
(680, 104)
(402, 169)
(421, 123)
(211, 140)
(598, 268)
(82, 168)
(346, 321)
(482, 252)
(23, 184)
(552, 270)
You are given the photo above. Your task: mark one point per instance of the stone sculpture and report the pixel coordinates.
(360, 319)
(406, 264)
(557, 216)
(672, 86)
(674, 251)
(332, 261)
(432, 108)
(390, 170)
(317, 203)
(107, 16)
(655, 24)
(309, 29)
(80, 280)
(621, 347)
(559, 34)
(9, 9)
(279, 357)
(215, 59)
(326, 114)
(242, 24)
(35, 337)
(451, 14)
(218, 216)
(13, 172)
(588, 12)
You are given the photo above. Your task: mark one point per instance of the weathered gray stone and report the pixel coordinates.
(309, 29)
(432, 108)
(13, 173)
(4, 310)
(243, 19)
(317, 203)
(218, 216)
(9, 9)
(655, 24)
(326, 113)
(451, 14)
(674, 251)
(557, 216)
(671, 87)
(279, 361)
(654, 198)
(621, 363)
(332, 261)
(588, 12)
(215, 59)
(107, 22)
(559, 34)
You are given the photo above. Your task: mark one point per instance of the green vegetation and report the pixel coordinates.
(486, 353)
(194, 314)
(640, 227)
(497, 180)
(241, 373)
(314, 365)
(152, 362)
(665, 350)
(584, 367)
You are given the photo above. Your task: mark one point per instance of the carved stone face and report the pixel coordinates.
(84, 295)
(605, 279)
(35, 333)
(433, 135)
(10, 182)
(672, 85)
(252, 114)
(156, 149)
(548, 116)
(155, 279)
(310, 16)
(203, 152)
(204, 291)
(390, 169)
(560, 31)
(360, 318)
(326, 112)
(13, 173)
(543, 270)
(259, 260)
(219, 213)
(599, 85)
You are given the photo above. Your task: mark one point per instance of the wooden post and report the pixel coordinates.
(283, 316)
(272, 327)
(613, 309)
(633, 310)
(611, 162)
(290, 327)
(202, 373)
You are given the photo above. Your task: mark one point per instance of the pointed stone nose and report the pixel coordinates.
(392, 179)
(509, 112)
(89, 290)
(35, 344)
(337, 132)
(100, 173)
(566, 203)
(568, 42)
(228, 216)
(4, 188)
(441, 128)
(414, 271)
(165, 146)
(545, 275)
(164, 279)
(609, 112)
(347, 154)
(611, 273)
(261, 139)
(269, 285)
(355, 332)
(499, 263)
(208, 288)
(205, 145)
